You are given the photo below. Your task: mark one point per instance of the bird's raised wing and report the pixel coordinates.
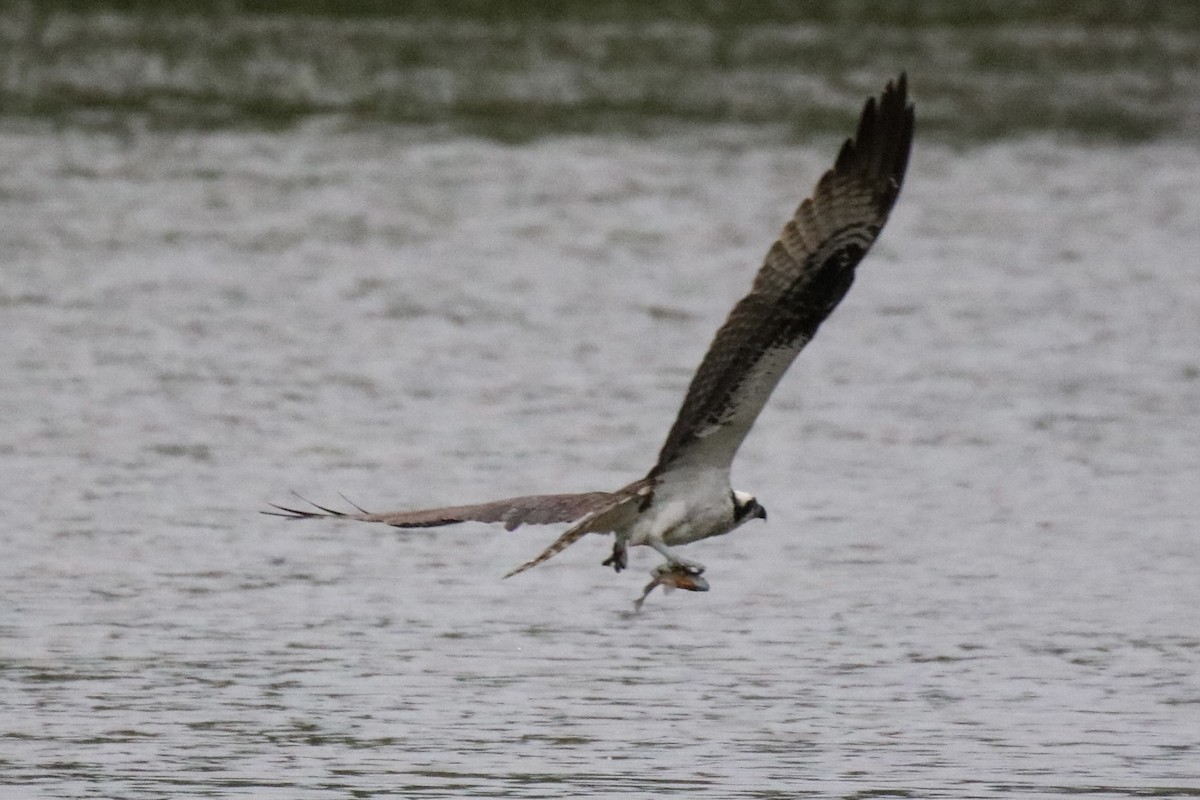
(807, 273)
(536, 509)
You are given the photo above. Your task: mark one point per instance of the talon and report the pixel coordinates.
(680, 566)
(673, 575)
(680, 576)
(619, 558)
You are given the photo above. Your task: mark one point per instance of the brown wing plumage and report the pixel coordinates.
(806, 274)
(616, 514)
(536, 509)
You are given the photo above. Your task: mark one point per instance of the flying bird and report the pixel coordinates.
(686, 496)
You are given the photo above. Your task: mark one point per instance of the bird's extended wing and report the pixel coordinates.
(536, 509)
(615, 514)
(807, 273)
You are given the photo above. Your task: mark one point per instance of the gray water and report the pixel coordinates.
(980, 573)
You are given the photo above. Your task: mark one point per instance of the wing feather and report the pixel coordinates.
(537, 509)
(805, 275)
(616, 514)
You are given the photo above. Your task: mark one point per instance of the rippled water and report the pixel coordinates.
(979, 578)
(1120, 69)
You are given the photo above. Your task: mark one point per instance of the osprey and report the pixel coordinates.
(686, 496)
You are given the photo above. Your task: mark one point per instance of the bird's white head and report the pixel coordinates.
(746, 507)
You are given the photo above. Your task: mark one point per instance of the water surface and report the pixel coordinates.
(979, 574)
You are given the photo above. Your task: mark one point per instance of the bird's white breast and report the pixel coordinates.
(685, 508)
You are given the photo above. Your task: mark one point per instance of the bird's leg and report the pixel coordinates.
(692, 567)
(620, 556)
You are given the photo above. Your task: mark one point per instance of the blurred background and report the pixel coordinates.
(513, 69)
(427, 253)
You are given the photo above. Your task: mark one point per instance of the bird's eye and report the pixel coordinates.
(743, 510)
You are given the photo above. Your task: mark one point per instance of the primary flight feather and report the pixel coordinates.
(686, 496)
